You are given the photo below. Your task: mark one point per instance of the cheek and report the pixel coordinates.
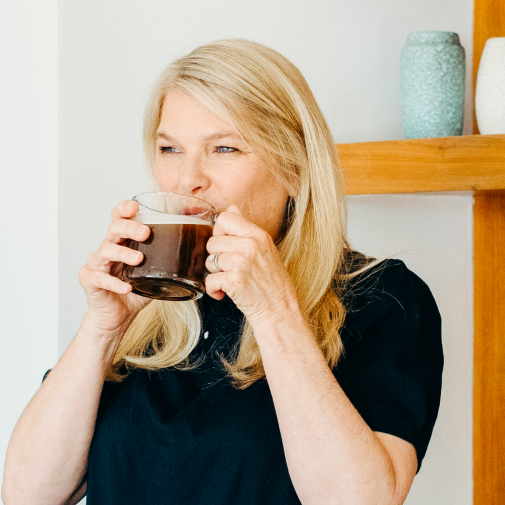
(265, 203)
(163, 177)
(157, 169)
(235, 182)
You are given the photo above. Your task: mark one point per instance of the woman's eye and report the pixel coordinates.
(219, 149)
(224, 149)
(168, 149)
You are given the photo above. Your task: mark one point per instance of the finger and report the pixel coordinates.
(224, 261)
(97, 279)
(125, 209)
(121, 229)
(231, 244)
(109, 252)
(213, 285)
(234, 209)
(229, 223)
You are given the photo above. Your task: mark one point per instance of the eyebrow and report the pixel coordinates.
(213, 136)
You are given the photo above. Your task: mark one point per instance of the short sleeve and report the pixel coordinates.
(392, 366)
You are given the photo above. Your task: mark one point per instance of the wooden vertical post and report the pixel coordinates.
(489, 21)
(489, 348)
(489, 303)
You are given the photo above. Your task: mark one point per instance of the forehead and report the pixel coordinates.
(182, 114)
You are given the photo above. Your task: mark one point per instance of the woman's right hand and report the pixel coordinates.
(111, 304)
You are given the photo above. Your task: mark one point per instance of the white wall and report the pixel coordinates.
(109, 53)
(29, 224)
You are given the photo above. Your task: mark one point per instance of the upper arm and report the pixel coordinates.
(404, 460)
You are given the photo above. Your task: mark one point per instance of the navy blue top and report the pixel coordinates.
(189, 437)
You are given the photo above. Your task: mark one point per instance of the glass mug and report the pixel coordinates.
(173, 267)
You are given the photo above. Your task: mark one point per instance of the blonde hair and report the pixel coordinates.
(267, 100)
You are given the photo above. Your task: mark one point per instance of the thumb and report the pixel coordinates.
(234, 210)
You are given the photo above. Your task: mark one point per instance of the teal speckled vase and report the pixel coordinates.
(433, 71)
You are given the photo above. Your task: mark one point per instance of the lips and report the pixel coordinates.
(200, 212)
(194, 211)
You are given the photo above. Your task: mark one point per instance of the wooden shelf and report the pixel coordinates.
(471, 162)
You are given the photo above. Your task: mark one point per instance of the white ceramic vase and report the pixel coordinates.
(490, 88)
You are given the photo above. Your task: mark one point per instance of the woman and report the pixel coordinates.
(314, 373)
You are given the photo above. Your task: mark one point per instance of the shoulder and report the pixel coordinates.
(392, 320)
(390, 287)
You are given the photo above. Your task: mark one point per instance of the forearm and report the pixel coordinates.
(47, 455)
(332, 454)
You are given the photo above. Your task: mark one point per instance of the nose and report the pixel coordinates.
(188, 178)
(193, 179)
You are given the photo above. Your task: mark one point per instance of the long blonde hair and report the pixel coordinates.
(267, 100)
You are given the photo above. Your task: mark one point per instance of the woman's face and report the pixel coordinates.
(201, 155)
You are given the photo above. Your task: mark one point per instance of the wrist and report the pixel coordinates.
(280, 322)
(288, 340)
(96, 328)
(102, 340)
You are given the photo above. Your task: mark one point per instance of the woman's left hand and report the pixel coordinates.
(253, 275)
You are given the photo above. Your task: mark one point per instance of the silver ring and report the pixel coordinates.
(213, 258)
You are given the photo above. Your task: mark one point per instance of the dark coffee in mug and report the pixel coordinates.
(173, 267)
